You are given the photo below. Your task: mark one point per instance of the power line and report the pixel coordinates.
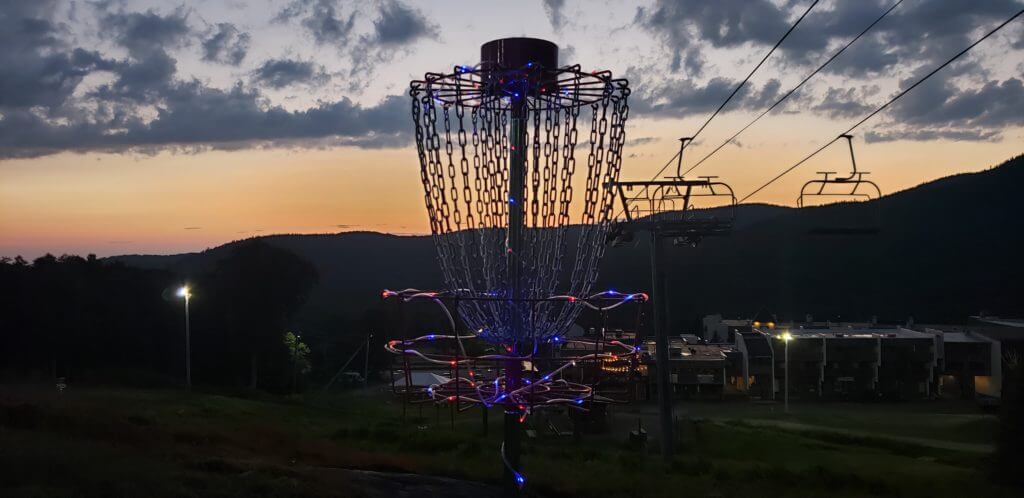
(733, 94)
(887, 104)
(795, 88)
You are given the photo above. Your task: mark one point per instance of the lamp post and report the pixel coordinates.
(186, 293)
(786, 337)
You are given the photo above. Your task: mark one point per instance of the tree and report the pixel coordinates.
(258, 288)
(298, 353)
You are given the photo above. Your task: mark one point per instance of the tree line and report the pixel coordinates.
(87, 319)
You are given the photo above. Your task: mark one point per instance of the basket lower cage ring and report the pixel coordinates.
(538, 390)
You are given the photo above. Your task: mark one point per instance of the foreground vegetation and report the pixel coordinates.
(122, 442)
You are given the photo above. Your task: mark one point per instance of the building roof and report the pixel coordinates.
(856, 333)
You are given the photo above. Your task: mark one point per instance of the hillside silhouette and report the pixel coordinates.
(944, 250)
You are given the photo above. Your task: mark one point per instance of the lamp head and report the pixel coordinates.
(184, 291)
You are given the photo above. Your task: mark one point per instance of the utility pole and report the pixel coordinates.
(661, 348)
(663, 207)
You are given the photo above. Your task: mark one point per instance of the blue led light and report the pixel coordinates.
(579, 401)
(520, 480)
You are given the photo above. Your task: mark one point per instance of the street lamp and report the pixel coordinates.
(786, 337)
(186, 293)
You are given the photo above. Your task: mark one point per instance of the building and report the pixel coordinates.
(757, 376)
(716, 329)
(850, 363)
(697, 369)
(970, 365)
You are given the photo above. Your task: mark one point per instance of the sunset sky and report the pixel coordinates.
(163, 127)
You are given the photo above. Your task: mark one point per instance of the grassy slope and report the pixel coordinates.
(108, 442)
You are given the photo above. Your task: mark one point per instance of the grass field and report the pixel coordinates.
(128, 442)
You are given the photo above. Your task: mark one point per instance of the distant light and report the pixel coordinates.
(757, 324)
(184, 291)
(786, 336)
(771, 325)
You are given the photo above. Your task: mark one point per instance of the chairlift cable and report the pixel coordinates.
(797, 87)
(734, 92)
(884, 106)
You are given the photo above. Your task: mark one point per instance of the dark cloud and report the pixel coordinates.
(226, 44)
(923, 135)
(725, 23)
(140, 80)
(279, 73)
(322, 20)
(843, 103)
(147, 107)
(398, 24)
(679, 97)
(143, 33)
(941, 103)
(193, 116)
(395, 29)
(922, 32)
(642, 141)
(36, 67)
(555, 10)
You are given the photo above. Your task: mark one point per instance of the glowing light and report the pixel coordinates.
(184, 291)
(786, 336)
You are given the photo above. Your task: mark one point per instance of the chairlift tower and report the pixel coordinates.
(665, 209)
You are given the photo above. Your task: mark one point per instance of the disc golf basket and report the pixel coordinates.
(858, 219)
(515, 153)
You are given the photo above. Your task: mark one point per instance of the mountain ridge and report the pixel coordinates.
(945, 250)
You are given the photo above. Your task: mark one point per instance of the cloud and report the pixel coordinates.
(725, 23)
(642, 141)
(322, 20)
(280, 73)
(555, 10)
(226, 44)
(923, 135)
(146, 107)
(941, 103)
(398, 24)
(143, 33)
(915, 33)
(37, 68)
(844, 103)
(677, 97)
(195, 117)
